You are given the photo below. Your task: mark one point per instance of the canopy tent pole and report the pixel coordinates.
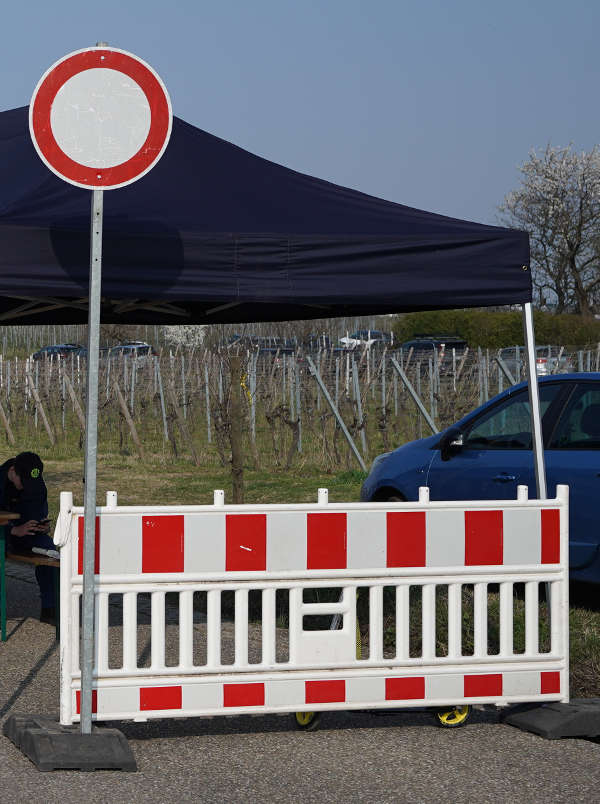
(534, 403)
(91, 450)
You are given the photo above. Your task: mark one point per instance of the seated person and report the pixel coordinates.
(23, 491)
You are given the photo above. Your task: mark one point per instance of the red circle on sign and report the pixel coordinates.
(112, 175)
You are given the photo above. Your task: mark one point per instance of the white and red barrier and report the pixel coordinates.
(345, 546)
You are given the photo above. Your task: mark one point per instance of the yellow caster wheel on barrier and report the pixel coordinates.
(307, 721)
(453, 717)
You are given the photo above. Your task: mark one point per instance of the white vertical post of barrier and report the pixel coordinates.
(402, 621)
(67, 608)
(268, 627)
(376, 623)
(559, 594)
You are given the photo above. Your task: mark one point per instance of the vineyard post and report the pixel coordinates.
(237, 457)
(129, 420)
(183, 397)
(361, 421)
(414, 394)
(207, 393)
(162, 399)
(298, 408)
(313, 370)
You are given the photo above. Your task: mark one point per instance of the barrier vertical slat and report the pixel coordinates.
(101, 626)
(241, 627)
(67, 607)
(402, 621)
(75, 604)
(186, 630)
(428, 621)
(129, 631)
(480, 617)
(561, 591)
(506, 618)
(158, 631)
(213, 628)
(295, 620)
(556, 640)
(268, 626)
(376, 622)
(531, 617)
(454, 619)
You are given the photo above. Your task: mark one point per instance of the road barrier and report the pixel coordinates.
(409, 562)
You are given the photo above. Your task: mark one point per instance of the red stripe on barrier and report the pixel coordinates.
(550, 536)
(483, 538)
(80, 526)
(94, 701)
(246, 542)
(244, 694)
(162, 543)
(400, 689)
(406, 539)
(549, 683)
(325, 691)
(326, 541)
(160, 698)
(478, 686)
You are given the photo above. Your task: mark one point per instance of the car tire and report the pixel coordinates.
(395, 498)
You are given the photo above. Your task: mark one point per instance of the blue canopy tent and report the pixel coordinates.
(216, 234)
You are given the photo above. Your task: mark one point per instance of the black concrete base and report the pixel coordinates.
(579, 718)
(51, 746)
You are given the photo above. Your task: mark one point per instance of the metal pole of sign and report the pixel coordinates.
(91, 449)
(534, 402)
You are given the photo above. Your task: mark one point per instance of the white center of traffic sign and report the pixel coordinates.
(100, 118)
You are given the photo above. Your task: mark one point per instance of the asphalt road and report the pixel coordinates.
(352, 757)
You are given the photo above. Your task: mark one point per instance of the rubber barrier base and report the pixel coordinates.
(51, 746)
(579, 718)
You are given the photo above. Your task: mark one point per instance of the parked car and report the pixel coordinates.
(548, 360)
(488, 453)
(367, 337)
(138, 350)
(440, 346)
(58, 350)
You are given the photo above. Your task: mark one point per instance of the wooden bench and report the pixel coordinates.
(33, 559)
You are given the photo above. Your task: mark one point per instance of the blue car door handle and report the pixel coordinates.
(504, 478)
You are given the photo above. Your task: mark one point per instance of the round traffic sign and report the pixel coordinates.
(100, 118)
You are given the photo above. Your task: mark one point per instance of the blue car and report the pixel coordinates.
(487, 454)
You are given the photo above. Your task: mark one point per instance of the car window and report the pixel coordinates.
(579, 425)
(508, 425)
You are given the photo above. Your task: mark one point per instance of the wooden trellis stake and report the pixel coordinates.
(40, 407)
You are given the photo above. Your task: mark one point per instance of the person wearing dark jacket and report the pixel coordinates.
(23, 491)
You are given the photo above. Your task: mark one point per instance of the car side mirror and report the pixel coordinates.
(450, 443)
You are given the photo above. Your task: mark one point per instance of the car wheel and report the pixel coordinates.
(453, 717)
(307, 721)
(395, 498)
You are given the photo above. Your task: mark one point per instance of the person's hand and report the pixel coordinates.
(26, 529)
(43, 526)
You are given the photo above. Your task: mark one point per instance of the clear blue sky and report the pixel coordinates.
(431, 103)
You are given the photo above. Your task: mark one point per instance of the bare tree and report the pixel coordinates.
(558, 203)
